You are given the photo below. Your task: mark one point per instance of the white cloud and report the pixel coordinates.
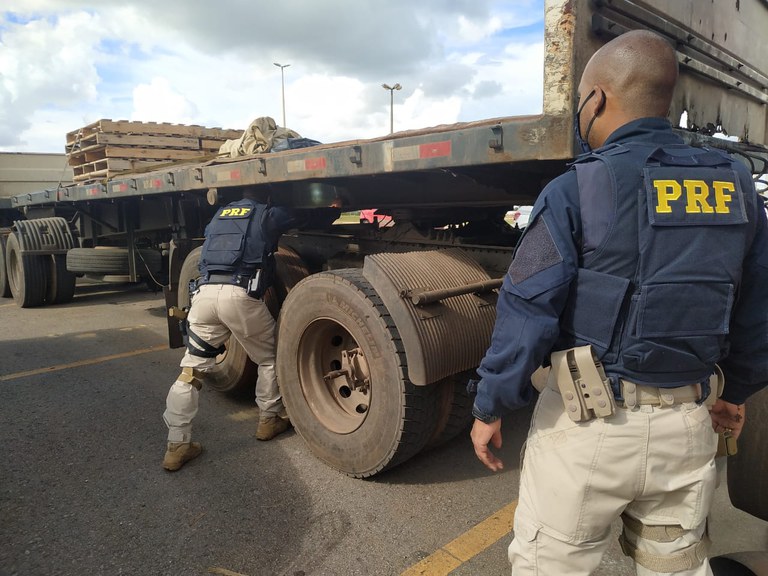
(45, 65)
(330, 108)
(159, 102)
(420, 110)
(470, 31)
(67, 63)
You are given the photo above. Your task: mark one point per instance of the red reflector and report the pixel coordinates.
(435, 149)
(315, 163)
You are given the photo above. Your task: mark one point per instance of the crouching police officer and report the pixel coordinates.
(642, 271)
(236, 267)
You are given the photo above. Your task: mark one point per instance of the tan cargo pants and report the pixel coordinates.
(655, 465)
(217, 311)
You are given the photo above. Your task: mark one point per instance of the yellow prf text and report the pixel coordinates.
(235, 212)
(699, 198)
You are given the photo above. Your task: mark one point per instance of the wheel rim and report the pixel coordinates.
(334, 376)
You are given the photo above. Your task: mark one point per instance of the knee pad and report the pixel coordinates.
(191, 376)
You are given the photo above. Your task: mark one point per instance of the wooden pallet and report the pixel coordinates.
(143, 140)
(212, 145)
(126, 127)
(108, 167)
(95, 153)
(107, 148)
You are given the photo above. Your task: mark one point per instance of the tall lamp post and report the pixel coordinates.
(282, 84)
(391, 104)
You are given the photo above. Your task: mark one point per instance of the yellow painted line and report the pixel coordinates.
(437, 563)
(81, 363)
(467, 546)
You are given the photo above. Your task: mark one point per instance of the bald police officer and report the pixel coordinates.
(236, 267)
(641, 270)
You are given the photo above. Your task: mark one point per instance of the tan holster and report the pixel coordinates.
(579, 377)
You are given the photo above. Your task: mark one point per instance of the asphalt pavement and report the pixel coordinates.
(82, 491)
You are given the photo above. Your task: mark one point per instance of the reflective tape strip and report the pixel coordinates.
(307, 164)
(152, 183)
(422, 151)
(228, 175)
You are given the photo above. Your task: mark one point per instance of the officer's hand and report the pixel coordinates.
(481, 435)
(726, 416)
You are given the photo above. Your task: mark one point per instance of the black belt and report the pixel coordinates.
(227, 279)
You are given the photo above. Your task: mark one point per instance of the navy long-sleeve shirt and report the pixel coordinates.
(536, 289)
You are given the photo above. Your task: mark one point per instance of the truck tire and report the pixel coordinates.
(27, 275)
(5, 287)
(61, 282)
(111, 260)
(290, 270)
(359, 430)
(454, 409)
(748, 468)
(740, 564)
(233, 373)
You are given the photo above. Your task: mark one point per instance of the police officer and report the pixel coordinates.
(643, 267)
(236, 267)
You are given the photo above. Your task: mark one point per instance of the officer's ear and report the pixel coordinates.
(599, 100)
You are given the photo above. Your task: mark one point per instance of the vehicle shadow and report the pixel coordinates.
(456, 460)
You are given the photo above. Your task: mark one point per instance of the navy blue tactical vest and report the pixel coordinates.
(665, 231)
(233, 240)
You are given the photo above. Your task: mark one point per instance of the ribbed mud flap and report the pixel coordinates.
(44, 236)
(444, 337)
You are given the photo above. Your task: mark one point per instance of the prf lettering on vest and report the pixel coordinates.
(234, 212)
(699, 197)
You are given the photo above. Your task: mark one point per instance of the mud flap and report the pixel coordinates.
(440, 338)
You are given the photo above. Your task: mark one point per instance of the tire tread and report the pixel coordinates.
(419, 403)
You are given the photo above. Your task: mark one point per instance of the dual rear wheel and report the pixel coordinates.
(343, 374)
(32, 279)
(37, 279)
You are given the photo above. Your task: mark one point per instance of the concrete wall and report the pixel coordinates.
(22, 172)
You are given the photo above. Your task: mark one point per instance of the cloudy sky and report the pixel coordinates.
(67, 63)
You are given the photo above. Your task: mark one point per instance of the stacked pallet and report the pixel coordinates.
(108, 147)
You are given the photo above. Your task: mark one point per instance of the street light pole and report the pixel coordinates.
(282, 84)
(391, 104)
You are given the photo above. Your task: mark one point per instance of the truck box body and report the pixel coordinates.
(21, 173)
